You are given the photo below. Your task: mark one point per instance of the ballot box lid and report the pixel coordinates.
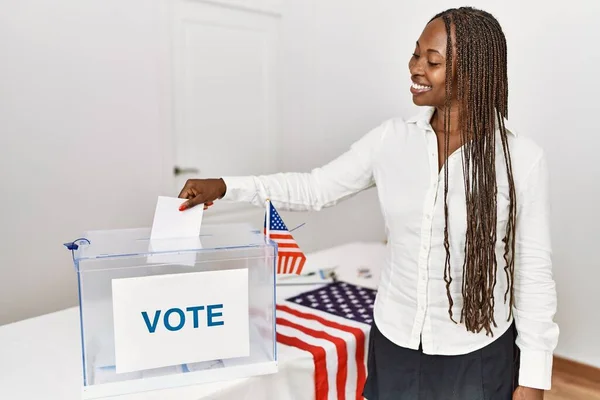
(118, 243)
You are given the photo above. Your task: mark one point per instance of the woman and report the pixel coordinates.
(466, 300)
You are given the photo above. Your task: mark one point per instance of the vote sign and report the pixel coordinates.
(183, 318)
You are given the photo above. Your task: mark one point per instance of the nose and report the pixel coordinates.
(415, 67)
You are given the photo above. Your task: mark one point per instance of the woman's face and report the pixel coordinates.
(427, 66)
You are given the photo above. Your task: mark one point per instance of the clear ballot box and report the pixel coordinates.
(157, 314)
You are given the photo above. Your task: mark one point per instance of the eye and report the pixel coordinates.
(415, 55)
(433, 64)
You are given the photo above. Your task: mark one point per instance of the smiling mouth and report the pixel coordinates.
(415, 88)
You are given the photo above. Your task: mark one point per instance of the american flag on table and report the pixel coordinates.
(331, 323)
(290, 259)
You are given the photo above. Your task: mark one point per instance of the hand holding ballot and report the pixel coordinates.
(202, 191)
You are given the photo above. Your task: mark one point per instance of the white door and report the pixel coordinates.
(225, 106)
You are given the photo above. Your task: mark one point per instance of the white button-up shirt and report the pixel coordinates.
(400, 158)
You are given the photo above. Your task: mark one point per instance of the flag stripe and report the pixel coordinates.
(291, 240)
(284, 262)
(318, 353)
(340, 345)
(289, 250)
(298, 265)
(302, 261)
(287, 245)
(280, 235)
(358, 334)
(280, 259)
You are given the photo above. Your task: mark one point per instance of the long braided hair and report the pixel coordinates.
(481, 84)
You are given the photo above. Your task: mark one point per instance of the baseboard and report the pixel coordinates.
(572, 368)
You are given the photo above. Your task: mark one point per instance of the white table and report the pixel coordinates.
(40, 358)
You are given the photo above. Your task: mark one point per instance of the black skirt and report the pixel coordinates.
(397, 373)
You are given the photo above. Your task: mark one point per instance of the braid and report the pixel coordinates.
(482, 99)
(447, 107)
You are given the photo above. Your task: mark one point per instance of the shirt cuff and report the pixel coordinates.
(239, 188)
(536, 369)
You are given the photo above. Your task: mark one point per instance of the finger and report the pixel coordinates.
(193, 202)
(186, 194)
(187, 191)
(184, 190)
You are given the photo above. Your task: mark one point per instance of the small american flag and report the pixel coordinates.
(332, 324)
(290, 258)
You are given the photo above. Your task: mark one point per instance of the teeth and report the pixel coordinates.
(420, 87)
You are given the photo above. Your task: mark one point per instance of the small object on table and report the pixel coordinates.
(324, 275)
(364, 272)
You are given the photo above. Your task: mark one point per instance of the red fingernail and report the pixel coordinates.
(182, 207)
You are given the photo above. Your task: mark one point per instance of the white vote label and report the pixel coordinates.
(180, 318)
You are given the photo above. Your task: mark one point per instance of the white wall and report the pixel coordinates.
(346, 71)
(80, 144)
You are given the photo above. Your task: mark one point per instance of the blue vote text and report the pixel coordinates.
(175, 318)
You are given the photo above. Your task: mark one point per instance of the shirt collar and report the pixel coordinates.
(423, 117)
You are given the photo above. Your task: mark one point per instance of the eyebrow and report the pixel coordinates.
(430, 50)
